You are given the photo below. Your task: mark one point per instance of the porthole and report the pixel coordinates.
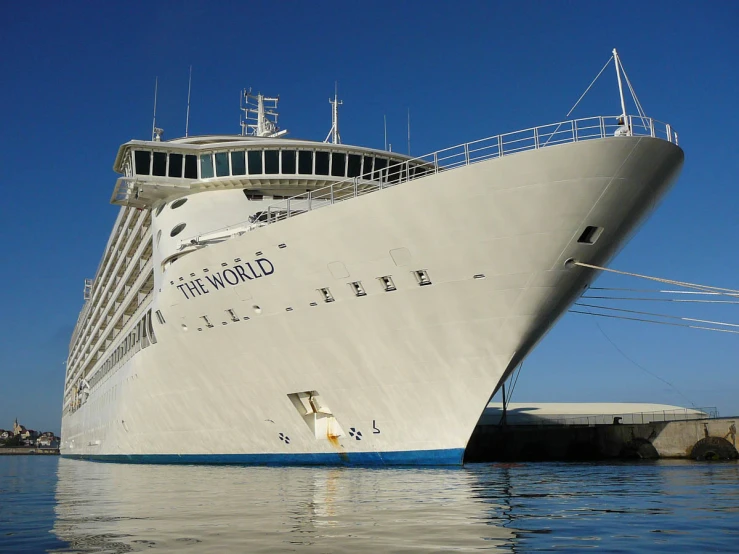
(177, 203)
(177, 229)
(160, 208)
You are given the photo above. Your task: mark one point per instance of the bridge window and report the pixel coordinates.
(367, 168)
(394, 173)
(159, 167)
(206, 166)
(288, 162)
(238, 163)
(305, 162)
(272, 161)
(416, 171)
(338, 164)
(222, 164)
(191, 167)
(142, 159)
(354, 166)
(322, 163)
(255, 162)
(175, 165)
(380, 165)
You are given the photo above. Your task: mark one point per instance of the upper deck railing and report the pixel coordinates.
(576, 130)
(515, 417)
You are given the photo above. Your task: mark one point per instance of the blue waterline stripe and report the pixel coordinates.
(446, 457)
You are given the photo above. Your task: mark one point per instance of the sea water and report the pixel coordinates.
(49, 504)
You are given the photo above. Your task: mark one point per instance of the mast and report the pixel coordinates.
(154, 120)
(333, 134)
(189, 88)
(409, 131)
(617, 63)
(384, 125)
(262, 110)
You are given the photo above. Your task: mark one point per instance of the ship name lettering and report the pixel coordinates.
(200, 284)
(253, 272)
(227, 277)
(242, 272)
(216, 281)
(265, 271)
(226, 273)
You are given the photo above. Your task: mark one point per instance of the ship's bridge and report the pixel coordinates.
(155, 170)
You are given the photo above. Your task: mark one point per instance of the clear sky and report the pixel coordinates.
(78, 80)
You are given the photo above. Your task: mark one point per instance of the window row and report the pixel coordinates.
(163, 164)
(142, 333)
(275, 162)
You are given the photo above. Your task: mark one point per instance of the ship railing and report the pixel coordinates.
(628, 418)
(576, 130)
(498, 146)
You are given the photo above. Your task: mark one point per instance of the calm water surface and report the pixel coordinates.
(55, 505)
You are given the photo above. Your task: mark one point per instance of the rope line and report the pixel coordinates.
(578, 100)
(641, 366)
(610, 316)
(679, 300)
(657, 315)
(513, 387)
(653, 290)
(705, 288)
(590, 86)
(639, 108)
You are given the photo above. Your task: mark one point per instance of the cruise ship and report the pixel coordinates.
(268, 300)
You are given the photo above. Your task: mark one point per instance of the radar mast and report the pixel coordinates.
(262, 111)
(333, 135)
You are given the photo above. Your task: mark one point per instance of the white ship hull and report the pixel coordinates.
(406, 373)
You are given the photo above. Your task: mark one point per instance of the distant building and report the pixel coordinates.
(17, 428)
(45, 441)
(29, 437)
(48, 440)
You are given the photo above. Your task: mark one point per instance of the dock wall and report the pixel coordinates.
(24, 450)
(696, 439)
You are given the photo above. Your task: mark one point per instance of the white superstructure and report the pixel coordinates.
(269, 300)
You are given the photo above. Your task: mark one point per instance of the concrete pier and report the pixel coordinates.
(698, 439)
(27, 450)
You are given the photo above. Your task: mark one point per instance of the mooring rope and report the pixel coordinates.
(644, 369)
(705, 288)
(653, 290)
(612, 316)
(707, 321)
(679, 300)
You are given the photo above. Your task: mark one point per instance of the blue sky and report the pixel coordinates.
(78, 79)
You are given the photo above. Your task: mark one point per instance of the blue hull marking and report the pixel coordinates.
(447, 457)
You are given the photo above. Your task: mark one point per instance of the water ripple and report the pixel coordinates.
(613, 507)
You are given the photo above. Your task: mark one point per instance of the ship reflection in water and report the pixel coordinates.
(667, 506)
(128, 508)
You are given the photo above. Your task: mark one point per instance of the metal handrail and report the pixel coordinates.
(534, 138)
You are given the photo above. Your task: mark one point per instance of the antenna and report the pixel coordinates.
(409, 131)
(384, 122)
(154, 122)
(333, 134)
(189, 88)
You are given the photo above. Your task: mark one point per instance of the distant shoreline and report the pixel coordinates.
(28, 451)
